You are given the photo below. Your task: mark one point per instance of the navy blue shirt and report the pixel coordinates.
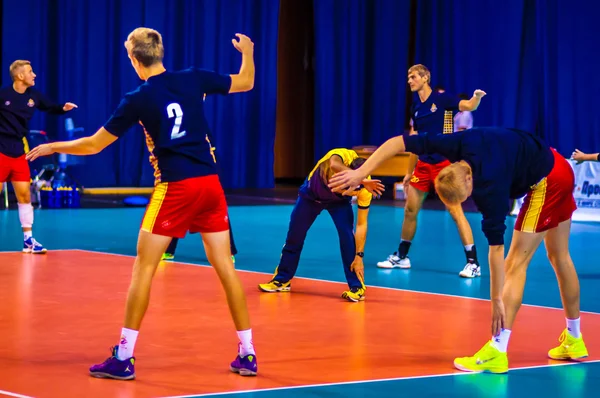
(16, 110)
(505, 162)
(434, 116)
(170, 108)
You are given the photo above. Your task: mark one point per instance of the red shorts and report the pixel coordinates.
(14, 169)
(425, 174)
(195, 205)
(550, 201)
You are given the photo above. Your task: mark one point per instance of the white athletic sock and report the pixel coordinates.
(27, 235)
(500, 342)
(469, 247)
(246, 348)
(574, 327)
(127, 344)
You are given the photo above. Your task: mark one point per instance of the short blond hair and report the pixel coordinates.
(145, 45)
(422, 71)
(451, 184)
(15, 66)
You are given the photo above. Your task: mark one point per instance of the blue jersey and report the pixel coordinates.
(434, 116)
(170, 108)
(505, 162)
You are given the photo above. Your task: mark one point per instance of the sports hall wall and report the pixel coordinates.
(330, 73)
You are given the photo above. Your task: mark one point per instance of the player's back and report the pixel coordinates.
(170, 107)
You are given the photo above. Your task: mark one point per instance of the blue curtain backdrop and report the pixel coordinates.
(361, 58)
(76, 48)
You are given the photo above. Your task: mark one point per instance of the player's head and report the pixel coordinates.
(418, 77)
(21, 71)
(145, 49)
(454, 183)
(356, 163)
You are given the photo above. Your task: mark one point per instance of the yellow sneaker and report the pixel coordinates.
(569, 348)
(355, 294)
(275, 286)
(488, 359)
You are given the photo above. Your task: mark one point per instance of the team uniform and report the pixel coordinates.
(508, 164)
(16, 110)
(315, 196)
(187, 196)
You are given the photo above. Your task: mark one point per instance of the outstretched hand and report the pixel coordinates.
(375, 187)
(243, 44)
(38, 151)
(345, 181)
(479, 93)
(69, 106)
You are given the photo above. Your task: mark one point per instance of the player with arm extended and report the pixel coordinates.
(494, 165)
(187, 196)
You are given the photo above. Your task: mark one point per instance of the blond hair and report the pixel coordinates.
(15, 66)
(422, 71)
(145, 45)
(451, 184)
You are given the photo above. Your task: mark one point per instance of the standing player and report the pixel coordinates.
(314, 197)
(187, 194)
(494, 165)
(432, 112)
(18, 102)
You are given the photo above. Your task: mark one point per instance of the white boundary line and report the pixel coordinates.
(12, 394)
(341, 283)
(371, 381)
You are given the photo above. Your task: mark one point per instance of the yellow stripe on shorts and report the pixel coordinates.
(534, 210)
(156, 201)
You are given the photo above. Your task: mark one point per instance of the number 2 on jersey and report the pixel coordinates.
(174, 111)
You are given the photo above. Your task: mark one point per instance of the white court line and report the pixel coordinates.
(13, 394)
(344, 283)
(371, 381)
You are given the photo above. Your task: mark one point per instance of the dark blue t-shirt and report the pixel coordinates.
(434, 116)
(505, 162)
(170, 108)
(16, 110)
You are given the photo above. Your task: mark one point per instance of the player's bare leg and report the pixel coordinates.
(472, 268)
(120, 365)
(23, 194)
(412, 207)
(218, 250)
(557, 247)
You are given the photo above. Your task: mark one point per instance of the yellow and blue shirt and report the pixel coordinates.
(316, 189)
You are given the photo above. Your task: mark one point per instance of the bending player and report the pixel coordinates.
(434, 112)
(314, 196)
(187, 194)
(494, 165)
(20, 100)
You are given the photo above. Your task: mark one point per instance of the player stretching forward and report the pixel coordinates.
(494, 165)
(313, 197)
(187, 194)
(433, 112)
(18, 103)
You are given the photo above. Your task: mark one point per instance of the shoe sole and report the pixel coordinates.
(392, 267)
(29, 251)
(100, 375)
(242, 372)
(283, 290)
(462, 368)
(344, 296)
(469, 277)
(568, 358)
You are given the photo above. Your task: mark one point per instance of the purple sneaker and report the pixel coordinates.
(113, 368)
(245, 366)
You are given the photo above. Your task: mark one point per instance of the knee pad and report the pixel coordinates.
(26, 215)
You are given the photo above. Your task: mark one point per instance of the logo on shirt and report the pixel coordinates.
(30, 103)
(433, 108)
(7, 103)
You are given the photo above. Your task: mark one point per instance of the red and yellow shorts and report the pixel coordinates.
(425, 174)
(550, 201)
(195, 205)
(14, 169)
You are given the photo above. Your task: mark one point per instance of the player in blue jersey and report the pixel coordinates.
(495, 165)
(314, 197)
(18, 103)
(187, 197)
(432, 111)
